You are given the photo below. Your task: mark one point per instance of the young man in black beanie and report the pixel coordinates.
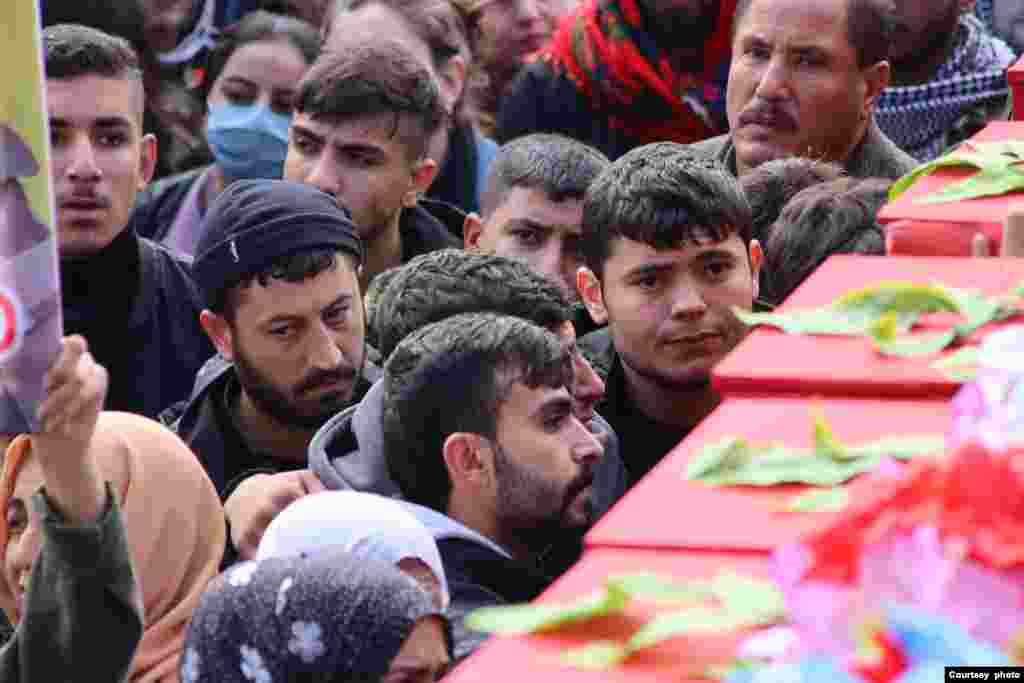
(278, 266)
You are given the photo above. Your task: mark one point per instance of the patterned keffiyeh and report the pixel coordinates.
(918, 117)
(331, 616)
(616, 64)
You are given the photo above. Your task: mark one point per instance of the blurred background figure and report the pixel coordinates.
(249, 86)
(503, 33)
(1005, 18)
(434, 31)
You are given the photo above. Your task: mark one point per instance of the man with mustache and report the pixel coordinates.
(622, 73)
(278, 267)
(134, 301)
(948, 77)
(478, 426)
(668, 255)
(804, 81)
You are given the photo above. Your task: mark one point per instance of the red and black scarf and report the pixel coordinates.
(617, 65)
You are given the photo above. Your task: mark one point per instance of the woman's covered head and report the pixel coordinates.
(250, 81)
(363, 524)
(173, 520)
(329, 616)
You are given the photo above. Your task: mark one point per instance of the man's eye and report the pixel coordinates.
(307, 146)
(718, 269)
(238, 98)
(280, 331)
(113, 139)
(647, 282)
(530, 238)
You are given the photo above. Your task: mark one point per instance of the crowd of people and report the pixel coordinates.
(373, 307)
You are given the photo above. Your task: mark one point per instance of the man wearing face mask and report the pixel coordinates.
(250, 84)
(623, 73)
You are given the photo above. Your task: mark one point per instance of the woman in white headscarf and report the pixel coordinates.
(363, 524)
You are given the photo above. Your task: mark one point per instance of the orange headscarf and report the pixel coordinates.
(173, 520)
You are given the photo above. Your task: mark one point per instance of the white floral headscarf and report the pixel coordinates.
(363, 524)
(275, 620)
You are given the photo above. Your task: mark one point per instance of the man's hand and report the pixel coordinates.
(76, 387)
(261, 498)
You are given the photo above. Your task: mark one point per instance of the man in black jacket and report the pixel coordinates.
(669, 255)
(134, 302)
(804, 81)
(363, 119)
(278, 268)
(479, 426)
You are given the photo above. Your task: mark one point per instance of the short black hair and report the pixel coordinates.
(453, 376)
(870, 26)
(294, 267)
(440, 284)
(664, 195)
(835, 217)
(253, 28)
(373, 79)
(772, 184)
(73, 50)
(562, 167)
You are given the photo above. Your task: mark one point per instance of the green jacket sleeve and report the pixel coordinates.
(83, 616)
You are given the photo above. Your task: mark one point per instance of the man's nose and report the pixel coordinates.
(773, 83)
(82, 164)
(324, 352)
(587, 450)
(324, 176)
(688, 301)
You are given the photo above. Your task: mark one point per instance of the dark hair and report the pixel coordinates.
(663, 195)
(835, 217)
(453, 376)
(772, 184)
(114, 17)
(440, 284)
(438, 23)
(293, 267)
(372, 79)
(73, 50)
(253, 28)
(562, 167)
(870, 25)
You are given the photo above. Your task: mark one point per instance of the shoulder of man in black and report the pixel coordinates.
(157, 206)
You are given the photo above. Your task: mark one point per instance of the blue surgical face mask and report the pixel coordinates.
(249, 141)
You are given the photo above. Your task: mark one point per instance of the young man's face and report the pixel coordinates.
(528, 226)
(363, 163)
(298, 347)
(669, 311)
(100, 161)
(544, 461)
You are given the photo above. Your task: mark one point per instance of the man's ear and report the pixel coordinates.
(467, 459)
(423, 174)
(218, 330)
(756, 261)
(452, 77)
(147, 160)
(589, 288)
(877, 77)
(472, 231)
